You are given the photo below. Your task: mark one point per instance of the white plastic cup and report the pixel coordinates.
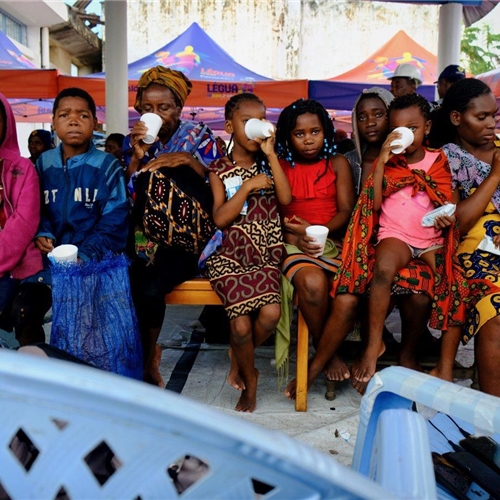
(399, 145)
(258, 129)
(153, 122)
(63, 254)
(320, 234)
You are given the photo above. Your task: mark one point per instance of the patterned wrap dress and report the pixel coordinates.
(245, 270)
(482, 269)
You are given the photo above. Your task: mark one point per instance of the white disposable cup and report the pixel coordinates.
(258, 129)
(399, 145)
(320, 234)
(64, 253)
(153, 122)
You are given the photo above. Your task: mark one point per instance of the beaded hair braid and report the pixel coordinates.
(229, 109)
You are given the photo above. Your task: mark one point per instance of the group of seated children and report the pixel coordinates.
(377, 246)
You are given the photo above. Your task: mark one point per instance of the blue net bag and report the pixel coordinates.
(93, 317)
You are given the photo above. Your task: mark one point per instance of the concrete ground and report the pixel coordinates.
(200, 373)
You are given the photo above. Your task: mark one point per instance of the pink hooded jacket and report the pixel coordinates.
(21, 193)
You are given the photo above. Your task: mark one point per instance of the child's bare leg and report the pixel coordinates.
(152, 357)
(339, 323)
(414, 309)
(449, 346)
(233, 377)
(312, 287)
(391, 255)
(265, 323)
(242, 351)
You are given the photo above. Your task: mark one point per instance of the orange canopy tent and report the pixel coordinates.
(40, 84)
(340, 92)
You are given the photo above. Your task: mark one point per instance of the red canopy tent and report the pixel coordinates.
(340, 92)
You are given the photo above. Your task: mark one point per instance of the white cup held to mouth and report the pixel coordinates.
(406, 139)
(320, 234)
(153, 122)
(63, 254)
(258, 129)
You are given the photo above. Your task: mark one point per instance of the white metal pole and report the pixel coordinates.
(115, 51)
(45, 59)
(450, 35)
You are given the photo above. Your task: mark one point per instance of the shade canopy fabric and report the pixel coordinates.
(341, 92)
(10, 56)
(198, 56)
(215, 75)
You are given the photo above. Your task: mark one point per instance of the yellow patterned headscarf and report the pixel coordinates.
(176, 81)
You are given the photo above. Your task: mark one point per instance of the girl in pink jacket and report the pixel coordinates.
(23, 304)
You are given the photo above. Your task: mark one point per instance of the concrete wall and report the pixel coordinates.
(284, 39)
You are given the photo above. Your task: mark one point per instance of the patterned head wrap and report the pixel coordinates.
(174, 80)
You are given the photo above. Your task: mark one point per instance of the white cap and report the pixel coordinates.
(408, 71)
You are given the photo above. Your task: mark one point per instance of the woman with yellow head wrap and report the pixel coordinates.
(183, 150)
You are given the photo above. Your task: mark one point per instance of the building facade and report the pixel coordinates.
(284, 39)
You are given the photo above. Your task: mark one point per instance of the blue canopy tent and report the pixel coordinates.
(10, 56)
(195, 54)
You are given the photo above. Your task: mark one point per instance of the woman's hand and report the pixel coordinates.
(44, 244)
(260, 181)
(170, 160)
(495, 164)
(496, 240)
(137, 135)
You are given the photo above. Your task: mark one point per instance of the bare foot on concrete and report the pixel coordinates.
(337, 369)
(291, 389)
(248, 399)
(233, 377)
(364, 368)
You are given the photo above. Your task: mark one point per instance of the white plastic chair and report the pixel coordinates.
(66, 411)
(389, 430)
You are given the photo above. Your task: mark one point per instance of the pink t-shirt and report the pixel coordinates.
(401, 213)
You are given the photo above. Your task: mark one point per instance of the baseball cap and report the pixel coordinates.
(452, 73)
(407, 70)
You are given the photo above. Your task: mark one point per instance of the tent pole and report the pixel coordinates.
(115, 51)
(450, 35)
(45, 48)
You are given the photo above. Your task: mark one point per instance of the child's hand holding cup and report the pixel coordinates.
(406, 139)
(258, 129)
(320, 234)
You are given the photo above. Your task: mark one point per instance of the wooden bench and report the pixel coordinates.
(198, 291)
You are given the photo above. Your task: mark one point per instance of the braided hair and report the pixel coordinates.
(407, 101)
(229, 109)
(458, 98)
(287, 121)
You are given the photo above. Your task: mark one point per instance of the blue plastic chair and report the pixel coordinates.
(388, 427)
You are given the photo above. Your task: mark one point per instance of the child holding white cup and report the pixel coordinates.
(400, 190)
